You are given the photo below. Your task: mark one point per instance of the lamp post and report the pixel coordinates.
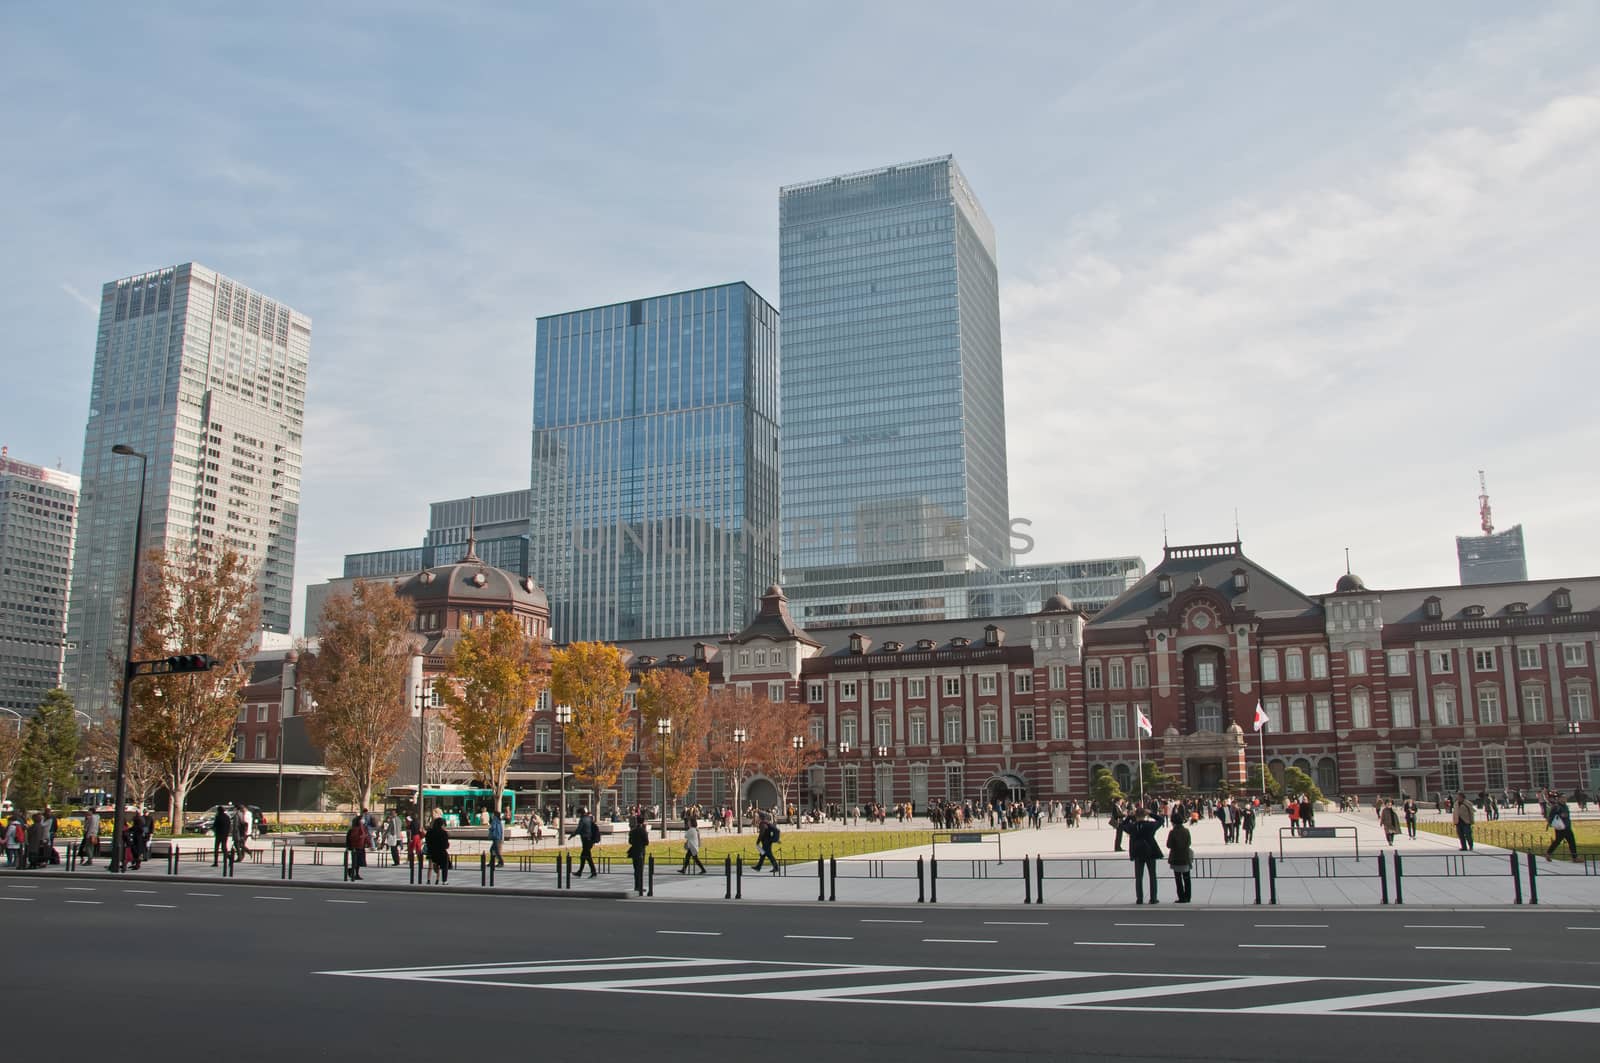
(798, 742)
(844, 803)
(117, 864)
(18, 715)
(291, 691)
(563, 717)
(422, 750)
(739, 737)
(1575, 729)
(664, 733)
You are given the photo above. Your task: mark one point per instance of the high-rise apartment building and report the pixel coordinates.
(894, 456)
(654, 505)
(38, 524)
(208, 379)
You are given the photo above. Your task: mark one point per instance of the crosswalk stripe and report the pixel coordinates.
(737, 976)
(835, 992)
(1377, 1000)
(1143, 993)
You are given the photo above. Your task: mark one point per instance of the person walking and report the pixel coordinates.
(1180, 857)
(1390, 820)
(16, 835)
(497, 836)
(394, 833)
(90, 849)
(588, 834)
(1143, 850)
(1463, 817)
(1247, 823)
(1410, 810)
(436, 843)
(221, 832)
(638, 842)
(691, 847)
(132, 845)
(767, 836)
(1115, 817)
(1561, 822)
(356, 841)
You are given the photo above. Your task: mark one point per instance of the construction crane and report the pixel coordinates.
(1484, 514)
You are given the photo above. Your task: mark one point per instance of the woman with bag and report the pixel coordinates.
(1390, 820)
(356, 840)
(436, 843)
(1180, 857)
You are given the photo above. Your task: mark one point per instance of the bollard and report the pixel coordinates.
(1038, 889)
(1272, 877)
(347, 865)
(283, 863)
(483, 869)
(738, 878)
(411, 867)
(919, 881)
(1255, 872)
(727, 878)
(569, 870)
(1516, 878)
(491, 873)
(1533, 880)
(833, 878)
(822, 886)
(1027, 882)
(1399, 874)
(650, 880)
(1383, 879)
(933, 880)
(291, 864)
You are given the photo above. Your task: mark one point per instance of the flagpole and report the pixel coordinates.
(1138, 737)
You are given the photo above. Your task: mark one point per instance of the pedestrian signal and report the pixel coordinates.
(191, 662)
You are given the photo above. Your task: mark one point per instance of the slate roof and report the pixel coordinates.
(1405, 606)
(1214, 563)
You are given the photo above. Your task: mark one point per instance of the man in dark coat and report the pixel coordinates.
(1143, 850)
(588, 833)
(638, 842)
(221, 832)
(1560, 820)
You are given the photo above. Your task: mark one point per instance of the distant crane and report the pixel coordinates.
(1486, 517)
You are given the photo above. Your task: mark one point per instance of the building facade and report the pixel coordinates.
(1498, 557)
(894, 455)
(654, 489)
(207, 378)
(38, 526)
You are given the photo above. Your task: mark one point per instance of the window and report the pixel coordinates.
(1119, 721)
(882, 690)
(916, 688)
(953, 781)
(1539, 766)
(1022, 683)
(952, 728)
(238, 747)
(744, 660)
(1319, 665)
(1533, 703)
(1527, 656)
(847, 690)
(1097, 722)
(919, 729)
(1450, 769)
(1269, 666)
(847, 731)
(1444, 706)
(1360, 709)
(1095, 682)
(1358, 662)
(761, 658)
(1141, 673)
(1443, 663)
(1058, 677)
(952, 686)
(541, 738)
(261, 747)
(1322, 707)
(1488, 705)
(1494, 769)
(852, 784)
(1574, 654)
(987, 684)
(882, 733)
(816, 693)
(1401, 712)
(819, 729)
(1116, 675)
(1483, 660)
(1579, 707)
(1058, 723)
(1297, 714)
(244, 714)
(1274, 709)
(261, 714)
(1399, 662)
(1366, 767)
(1208, 717)
(988, 726)
(775, 692)
(1293, 667)
(1205, 674)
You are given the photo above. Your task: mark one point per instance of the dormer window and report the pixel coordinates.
(1241, 581)
(892, 647)
(646, 661)
(1432, 608)
(991, 636)
(1562, 600)
(960, 642)
(1517, 609)
(1164, 585)
(701, 653)
(675, 658)
(858, 644)
(1473, 612)
(925, 645)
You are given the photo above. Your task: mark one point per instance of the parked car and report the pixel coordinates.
(200, 823)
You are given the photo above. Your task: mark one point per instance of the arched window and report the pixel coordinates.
(1303, 764)
(1124, 777)
(1328, 775)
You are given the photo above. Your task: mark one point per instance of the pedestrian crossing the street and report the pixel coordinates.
(1233, 994)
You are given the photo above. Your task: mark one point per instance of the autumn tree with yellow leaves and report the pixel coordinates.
(667, 693)
(592, 678)
(495, 676)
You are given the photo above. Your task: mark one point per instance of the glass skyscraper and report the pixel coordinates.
(38, 524)
(208, 379)
(894, 457)
(654, 509)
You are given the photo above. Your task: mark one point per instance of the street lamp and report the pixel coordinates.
(664, 731)
(117, 864)
(291, 694)
(799, 744)
(739, 737)
(422, 749)
(1575, 729)
(18, 715)
(563, 717)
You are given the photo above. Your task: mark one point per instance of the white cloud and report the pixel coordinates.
(91, 305)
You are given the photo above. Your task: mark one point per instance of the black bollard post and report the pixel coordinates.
(1027, 882)
(347, 865)
(920, 899)
(833, 878)
(1038, 888)
(483, 870)
(727, 878)
(569, 871)
(933, 880)
(738, 878)
(650, 879)
(1516, 878)
(491, 874)
(1255, 872)
(1533, 880)
(1272, 877)
(822, 885)
(291, 864)
(283, 863)
(1383, 879)
(1399, 874)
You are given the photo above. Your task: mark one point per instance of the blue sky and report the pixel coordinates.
(1317, 263)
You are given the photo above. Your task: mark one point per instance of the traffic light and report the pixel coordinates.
(191, 662)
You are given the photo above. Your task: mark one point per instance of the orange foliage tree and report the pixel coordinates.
(592, 678)
(496, 675)
(667, 693)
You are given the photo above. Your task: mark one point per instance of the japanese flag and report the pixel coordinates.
(1144, 723)
(1261, 716)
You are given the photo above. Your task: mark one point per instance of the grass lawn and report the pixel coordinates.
(1523, 836)
(795, 845)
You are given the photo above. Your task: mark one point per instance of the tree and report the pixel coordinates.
(590, 677)
(47, 764)
(1261, 781)
(778, 724)
(10, 751)
(495, 676)
(1104, 788)
(729, 709)
(357, 681)
(1157, 781)
(667, 693)
(1296, 781)
(201, 602)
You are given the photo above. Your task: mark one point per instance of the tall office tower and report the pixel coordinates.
(208, 379)
(655, 464)
(894, 426)
(38, 523)
(1497, 557)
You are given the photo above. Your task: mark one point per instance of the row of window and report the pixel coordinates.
(916, 687)
(1441, 662)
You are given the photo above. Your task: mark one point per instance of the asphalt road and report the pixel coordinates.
(178, 971)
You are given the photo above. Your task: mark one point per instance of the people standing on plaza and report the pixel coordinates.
(90, 848)
(1410, 810)
(37, 840)
(1390, 820)
(691, 846)
(588, 835)
(638, 842)
(394, 834)
(436, 844)
(221, 832)
(1463, 817)
(1143, 850)
(356, 840)
(16, 835)
(767, 836)
(147, 830)
(132, 844)
(1180, 857)
(1115, 818)
(535, 826)
(1561, 822)
(1247, 822)
(1308, 812)
(497, 837)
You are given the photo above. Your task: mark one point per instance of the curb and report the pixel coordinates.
(379, 887)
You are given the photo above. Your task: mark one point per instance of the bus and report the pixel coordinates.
(460, 806)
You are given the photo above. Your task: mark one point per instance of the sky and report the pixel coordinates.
(1312, 264)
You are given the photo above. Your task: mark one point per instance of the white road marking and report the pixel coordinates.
(79, 889)
(1444, 926)
(157, 905)
(1147, 992)
(693, 933)
(16, 898)
(1329, 1005)
(1282, 946)
(1583, 928)
(817, 937)
(735, 976)
(1120, 944)
(959, 941)
(1462, 948)
(1291, 926)
(910, 921)
(1146, 924)
(1001, 922)
(332, 901)
(1009, 979)
(259, 897)
(86, 902)
(18, 886)
(205, 895)
(140, 891)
